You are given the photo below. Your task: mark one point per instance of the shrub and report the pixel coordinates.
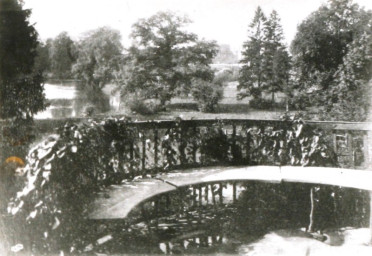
(143, 107)
(207, 95)
(63, 174)
(258, 103)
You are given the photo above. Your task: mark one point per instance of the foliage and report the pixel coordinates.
(351, 93)
(252, 71)
(265, 60)
(276, 57)
(207, 95)
(215, 144)
(164, 58)
(319, 50)
(142, 107)
(90, 101)
(42, 61)
(65, 171)
(62, 54)
(21, 90)
(99, 57)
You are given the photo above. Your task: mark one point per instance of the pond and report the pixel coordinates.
(266, 219)
(67, 101)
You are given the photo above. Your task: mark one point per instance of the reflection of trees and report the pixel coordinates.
(90, 101)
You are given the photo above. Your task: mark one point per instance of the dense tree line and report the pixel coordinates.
(329, 67)
(332, 60)
(329, 64)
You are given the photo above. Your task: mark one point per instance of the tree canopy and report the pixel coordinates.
(320, 47)
(99, 56)
(164, 58)
(21, 90)
(62, 54)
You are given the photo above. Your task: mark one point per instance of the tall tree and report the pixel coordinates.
(353, 81)
(252, 73)
(62, 56)
(320, 45)
(99, 56)
(265, 58)
(21, 90)
(276, 61)
(165, 58)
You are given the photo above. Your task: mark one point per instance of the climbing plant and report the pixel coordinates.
(65, 171)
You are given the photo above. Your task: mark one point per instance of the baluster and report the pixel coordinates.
(181, 147)
(334, 139)
(194, 150)
(234, 192)
(131, 156)
(213, 195)
(156, 142)
(206, 194)
(233, 143)
(143, 157)
(350, 150)
(200, 195)
(366, 150)
(248, 146)
(221, 193)
(193, 196)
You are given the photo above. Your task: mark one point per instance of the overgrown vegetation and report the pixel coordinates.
(65, 171)
(332, 60)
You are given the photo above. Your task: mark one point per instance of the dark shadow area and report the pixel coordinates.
(90, 101)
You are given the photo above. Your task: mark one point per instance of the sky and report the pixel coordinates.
(225, 21)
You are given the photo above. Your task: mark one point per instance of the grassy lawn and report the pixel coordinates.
(229, 107)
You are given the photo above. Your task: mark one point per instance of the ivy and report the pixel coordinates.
(65, 171)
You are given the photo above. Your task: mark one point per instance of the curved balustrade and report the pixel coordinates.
(116, 202)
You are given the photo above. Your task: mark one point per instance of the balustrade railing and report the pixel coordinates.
(165, 145)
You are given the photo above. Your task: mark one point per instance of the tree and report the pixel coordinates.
(62, 56)
(21, 90)
(265, 58)
(164, 59)
(320, 45)
(352, 85)
(42, 60)
(207, 94)
(275, 57)
(99, 56)
(252, 73)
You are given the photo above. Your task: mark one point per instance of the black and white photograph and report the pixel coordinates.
(192, 127)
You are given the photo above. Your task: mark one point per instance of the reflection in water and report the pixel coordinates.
(216, 218)
(69, 101)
